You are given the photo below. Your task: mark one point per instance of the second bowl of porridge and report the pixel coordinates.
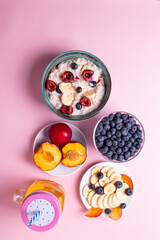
(76, 85)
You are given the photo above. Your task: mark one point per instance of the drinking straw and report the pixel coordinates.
(34, 218)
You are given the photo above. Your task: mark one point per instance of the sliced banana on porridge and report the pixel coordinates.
(67, 98)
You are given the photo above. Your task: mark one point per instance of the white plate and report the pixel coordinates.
(86, 177)
(42, 137)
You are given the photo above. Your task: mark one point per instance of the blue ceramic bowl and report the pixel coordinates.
(71, 55)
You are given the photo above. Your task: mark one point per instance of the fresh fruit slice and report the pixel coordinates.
(94, 179)
(109, 188)
(116, 202)
(120, 192)
(105, 170)
(103, 181)
(90, 195)
(94, 201)
(74, 153)
(48, 156)
(110, 171)
(95, 170)
(127, 180)
(87, 75)
(94, 212)
(100, 201)
(86, 190)
(105, 201)
(67, 109)
(85, 101)
(66, 87)
(116, 213)
(110, 201)
(67, 99)
(60, 133)
(51, 85)
(114, 176)
(67, 76)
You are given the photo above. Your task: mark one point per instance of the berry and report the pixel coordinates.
(113, 131)
(112, 148)
(113, 138)
(118, 126)
(128, 125)
(118, 120)
(79, 89)
(93, 84)
(118, 114)
(132, 149)
(100, 175)
(120, 158)
(121, 143)
(119, 150)
(135, 136)
(87, 75)
(131, 140)
(139, 133)
(115, 143)
(112, 124)
(104, 150)
(109, 154)
(127, 155)
(139, 140)
(78, 106)
(99, 144)
(119, 184)
(58, 90)
(111, 116)
(128, 144)
(129, 191)
(134, 128)
(118, 134)
(125, 149)
(74, 66)
(108, 134)
(91, 186)
(67, 76)
(125, 138)
(85, 101)
(131, 119)
(100, 138)
(124, 131)
(115, 156)
(99, 190)
(50, 85)
(108, 142)
(107, 211)
(105, 120)
(124, 116)
(103, 132)
(106, 127)
(67, 109)
(123, 205)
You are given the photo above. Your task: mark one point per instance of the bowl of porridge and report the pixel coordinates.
(76, 85)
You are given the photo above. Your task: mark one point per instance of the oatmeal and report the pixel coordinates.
(76, 86)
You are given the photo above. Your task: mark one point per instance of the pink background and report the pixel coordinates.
(126, 36)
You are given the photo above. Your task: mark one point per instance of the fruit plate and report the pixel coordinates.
(86, 177)
(42, 137)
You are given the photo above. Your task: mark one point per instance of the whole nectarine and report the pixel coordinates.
(60, 133)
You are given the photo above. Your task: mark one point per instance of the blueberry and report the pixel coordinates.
(100, 138)
(108, 142)
(106, 127)
(121, 143)
(128, 144)
(105, 120)
(129, 191)
(123, 205)
(97, 134)
(139, 140)
(124, 131)
(119, 184)
(113, 131)
(131, 119)
(119, 126)
(113, 138)
(107, 211)
(125, 138)
(118, 134)
(138, 146)
(91, 186)
(120, 157)
(74, 66)
(108, 134)
(112, 148)
(78, 106)
(100, 175)
(109, 154)
(127, 154)
(111, 116)
(134, 128)
(125, 149)
(118, 114)
(99, 190)
(93, 84)
(124, 116)
(139, 133)
(115, 143)
(58, 90)
(118, 150)
(103, 132)
(99, 144)
(135, 135)
(131, 140)
(133, 122)
(118, 120)
(128, 125)
(112, 124)
(79, 89)
(132, 154)
(115, 156)
(132, 149)
(104, 150)
(118, 139)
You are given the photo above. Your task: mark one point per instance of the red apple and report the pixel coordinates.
(60, 133)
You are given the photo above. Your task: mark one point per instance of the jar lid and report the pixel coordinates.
(40, 211)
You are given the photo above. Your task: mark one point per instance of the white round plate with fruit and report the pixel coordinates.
(106, 189)
(60, 149)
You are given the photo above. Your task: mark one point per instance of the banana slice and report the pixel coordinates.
(114, 176)
(86, 190)
(105, 170)
(89, 196)
(109, 188)
(120, 193)
(110, 171)
(66, 88)
(105, 201)
(103, 181)
(67, 98)
(94, 200)
(97, 184)
(115, 202)
(95, 170)
(110, 201)
(100, 201)
(90, 93)
(94, 179)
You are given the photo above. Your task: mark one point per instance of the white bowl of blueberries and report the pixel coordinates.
(119, 137)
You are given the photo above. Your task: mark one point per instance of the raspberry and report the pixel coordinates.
(50, 85)
(85, 101)
(67, 109)
(67, 76)
(87, 75)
